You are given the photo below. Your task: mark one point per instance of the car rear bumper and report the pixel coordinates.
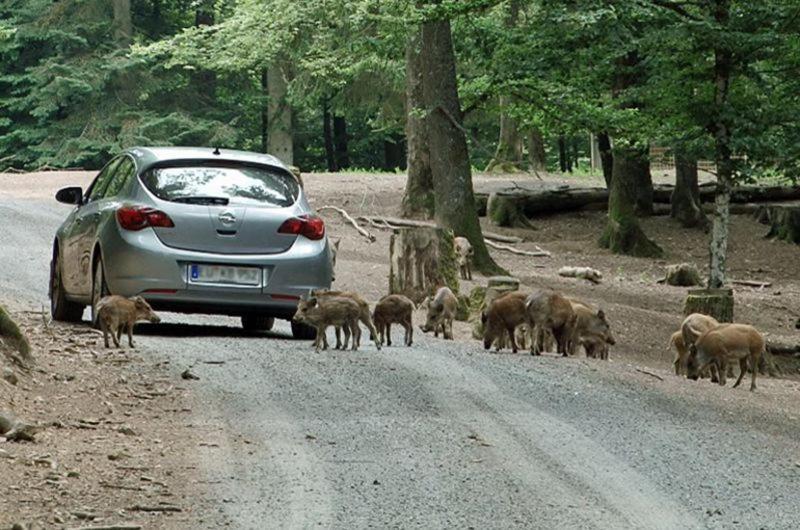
(138, 263)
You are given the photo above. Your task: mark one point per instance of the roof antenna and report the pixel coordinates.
(216, 151)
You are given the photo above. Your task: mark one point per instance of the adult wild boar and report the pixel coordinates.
(322, 312)
(592, 331)
(117, 313)
(550, 312)
(394, 309)
(723, 344)
(692, 327)
(501, 319)
(441, 312)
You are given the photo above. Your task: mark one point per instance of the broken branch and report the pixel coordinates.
(349, 219)
(537, 253)
(651, 374)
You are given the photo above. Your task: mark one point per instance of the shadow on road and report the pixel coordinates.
(198, 330)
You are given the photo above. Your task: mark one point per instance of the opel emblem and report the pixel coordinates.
(227, 218)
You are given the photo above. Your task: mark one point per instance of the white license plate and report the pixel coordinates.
(224, 274)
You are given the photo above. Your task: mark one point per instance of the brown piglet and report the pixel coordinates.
(394, 309)
(117, 313)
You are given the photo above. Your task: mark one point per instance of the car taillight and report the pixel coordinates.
(140, 217)
(309, 226)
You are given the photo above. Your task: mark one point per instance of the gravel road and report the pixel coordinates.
(444, 435)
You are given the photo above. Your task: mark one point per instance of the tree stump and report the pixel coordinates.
(420, 260)
(505, 210)
(717, 303)
(784, 221)
(497, 286)
(682, 275)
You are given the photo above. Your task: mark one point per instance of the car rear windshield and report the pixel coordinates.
(230, 184)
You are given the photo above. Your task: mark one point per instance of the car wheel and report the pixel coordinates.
(257, 323)
(61, 309)
(303, 331)
(99, 289)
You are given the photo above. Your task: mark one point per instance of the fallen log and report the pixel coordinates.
(781, 348)
(752, 283)
(584, 273)
(14, 430)
(531, 202)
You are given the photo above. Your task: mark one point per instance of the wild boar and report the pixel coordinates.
(117, 313)
(548, 311)
(322, 312)
(394, 309)
(592, 331)
(464, 253)
(364, 316)
(501, 319)
(692, 327)
(723, 344)
(441, 311)
(681, 352)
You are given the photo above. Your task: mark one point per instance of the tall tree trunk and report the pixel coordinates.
(450, 164)
(206, 79)
(327, 135)
(563, 161)
(644, 189)
(623, 235)
(536, 154)
(279, 138)
(723, 66)
(418, 197)
(606, 156)
(508, 155)
(340, 142)
(630, 167)
(123, 26)
(264, 112)
(685, 199)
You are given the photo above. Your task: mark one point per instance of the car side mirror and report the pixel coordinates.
(71, 195)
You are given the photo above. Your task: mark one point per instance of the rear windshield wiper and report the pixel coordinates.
(202, 199)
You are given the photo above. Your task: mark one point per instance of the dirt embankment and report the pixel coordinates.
(111, 431)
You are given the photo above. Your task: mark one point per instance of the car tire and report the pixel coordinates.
(61, 309)
(99, 289)
(303, 331)
(257, 323)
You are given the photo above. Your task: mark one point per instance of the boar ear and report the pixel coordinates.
(312, 301)
(601, 314)
(138, 300)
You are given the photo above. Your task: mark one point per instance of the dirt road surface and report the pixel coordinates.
(443, 434)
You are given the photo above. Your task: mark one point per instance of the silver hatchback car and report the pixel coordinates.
(192, 230)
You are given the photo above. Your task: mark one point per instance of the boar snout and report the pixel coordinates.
(155, 319)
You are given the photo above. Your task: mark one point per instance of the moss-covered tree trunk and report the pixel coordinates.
(623, 235)
(421, 259)
(717, 303)
(418, 197)
(123, 26)
(508, 155)
(643, 204)
(536, 155)
(450, 166)
(685, 201)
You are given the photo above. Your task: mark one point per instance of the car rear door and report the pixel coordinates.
(80, 235)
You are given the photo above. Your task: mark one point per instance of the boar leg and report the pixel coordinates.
(129, 330)
(104, 328)
(512, 338)
(447, 329)
(356, 331)
(742, 371)
(388, 327)
(722, 368)
(409, 332)
(339, 338)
